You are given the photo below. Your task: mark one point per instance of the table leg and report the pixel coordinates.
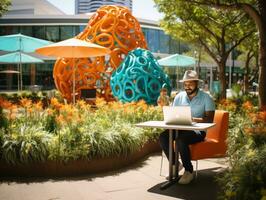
(176, 156)
(171, 181)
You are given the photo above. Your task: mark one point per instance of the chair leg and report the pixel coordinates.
(161, 164)
(196, 168)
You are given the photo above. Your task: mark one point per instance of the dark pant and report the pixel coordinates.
(184, 139)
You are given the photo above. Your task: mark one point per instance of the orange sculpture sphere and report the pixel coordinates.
(113, 27)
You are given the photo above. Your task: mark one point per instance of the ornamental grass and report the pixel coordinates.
(32, 132)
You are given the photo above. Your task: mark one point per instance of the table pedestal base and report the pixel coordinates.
(169, 183)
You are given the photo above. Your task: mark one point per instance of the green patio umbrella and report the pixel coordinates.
(19, 58)
(177, 60)
(21, 43)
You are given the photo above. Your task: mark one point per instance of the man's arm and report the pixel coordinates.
(208, 117)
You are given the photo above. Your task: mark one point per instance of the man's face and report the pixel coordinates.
(190, 87)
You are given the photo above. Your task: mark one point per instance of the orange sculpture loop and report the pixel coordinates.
(113, 27)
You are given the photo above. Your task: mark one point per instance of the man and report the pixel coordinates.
(202, 110)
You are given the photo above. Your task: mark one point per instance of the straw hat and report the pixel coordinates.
(190, 75)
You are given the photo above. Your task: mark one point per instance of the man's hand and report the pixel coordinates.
(208, 118)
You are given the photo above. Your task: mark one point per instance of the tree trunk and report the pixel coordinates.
(246, 76)
(262, 71)
(262, 53)
(222, 78)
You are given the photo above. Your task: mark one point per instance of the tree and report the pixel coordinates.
(4, 4)
(256, 9)
(217, 31)
(249, 47)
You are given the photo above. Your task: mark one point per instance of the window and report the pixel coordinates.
(52, 33)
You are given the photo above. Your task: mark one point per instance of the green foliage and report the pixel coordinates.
(245, 178)
(50, 123)
(119, 139)
(218, 31)
(237, 91)
(69, 144)
(16, 97)
(4, 5)
(24, 144)
(3, 119)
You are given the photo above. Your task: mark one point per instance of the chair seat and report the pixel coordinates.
(210, 148)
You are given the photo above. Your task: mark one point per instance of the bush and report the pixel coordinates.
(245, 178)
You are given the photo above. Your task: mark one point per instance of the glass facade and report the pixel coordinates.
(159, 42)
(41, 74)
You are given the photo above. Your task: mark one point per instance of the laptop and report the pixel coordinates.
(177, 115)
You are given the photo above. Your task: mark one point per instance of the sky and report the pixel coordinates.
(144, 9)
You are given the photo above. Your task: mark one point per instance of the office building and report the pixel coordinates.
(88, 6)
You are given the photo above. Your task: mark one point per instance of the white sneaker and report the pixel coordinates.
(186, 178)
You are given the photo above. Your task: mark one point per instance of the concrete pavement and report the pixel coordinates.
(139, 181)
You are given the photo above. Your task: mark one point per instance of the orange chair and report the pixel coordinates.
(214, 145)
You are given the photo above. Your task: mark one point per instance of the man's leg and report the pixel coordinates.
(185, 138)
(164, 143)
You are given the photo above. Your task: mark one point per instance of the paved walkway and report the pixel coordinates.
(138, 182)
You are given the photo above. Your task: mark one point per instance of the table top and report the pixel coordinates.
(161, 124)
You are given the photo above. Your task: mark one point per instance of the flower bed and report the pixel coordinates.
(61, 133)
(246, 177)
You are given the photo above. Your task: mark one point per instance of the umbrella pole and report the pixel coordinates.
(18, 75)
(74, 82)
(20, 41)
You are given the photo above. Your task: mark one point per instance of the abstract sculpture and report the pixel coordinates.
(139, 77)
(113, 27)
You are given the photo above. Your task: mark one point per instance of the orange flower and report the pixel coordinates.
(60, 119)
(142, 104)
(38, 106)
(50, 111)
(262, 116)
(100, 102)
(29, 110)
(55, 103)
(247, 106)
(5, 103)
(25, 102)
(82, 104)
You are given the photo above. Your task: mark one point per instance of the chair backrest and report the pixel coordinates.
(215, 142)
(219, 131)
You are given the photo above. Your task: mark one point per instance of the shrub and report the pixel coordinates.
(245, 178)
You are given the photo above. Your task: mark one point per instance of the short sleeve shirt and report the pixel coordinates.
(201, 103)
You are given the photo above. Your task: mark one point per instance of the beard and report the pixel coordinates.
(190, 92)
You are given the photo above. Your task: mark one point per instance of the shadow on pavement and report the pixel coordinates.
(202, 188)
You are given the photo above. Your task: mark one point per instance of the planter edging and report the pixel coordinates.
(77, 167)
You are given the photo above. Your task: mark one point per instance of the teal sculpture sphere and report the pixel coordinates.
(138, 77)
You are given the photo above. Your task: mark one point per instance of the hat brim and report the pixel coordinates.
(181, 81)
